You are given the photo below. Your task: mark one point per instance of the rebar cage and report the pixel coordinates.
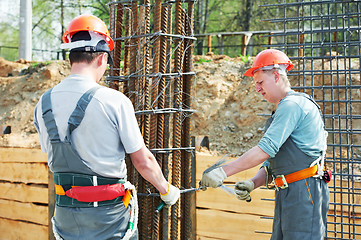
(322, 39)
(153, 67)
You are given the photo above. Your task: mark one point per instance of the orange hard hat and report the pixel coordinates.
(269, 57)
(87, 22)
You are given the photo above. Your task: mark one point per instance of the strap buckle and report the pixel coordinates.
(284, 181)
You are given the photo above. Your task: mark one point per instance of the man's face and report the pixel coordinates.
(265, 82)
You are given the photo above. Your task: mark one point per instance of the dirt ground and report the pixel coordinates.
(228, 110)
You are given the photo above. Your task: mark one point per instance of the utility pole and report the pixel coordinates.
(25, 37)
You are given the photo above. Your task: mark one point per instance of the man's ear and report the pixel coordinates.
(102, 57)
(277, 76)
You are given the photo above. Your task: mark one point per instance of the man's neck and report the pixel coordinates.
(84, 69)
(283, 94)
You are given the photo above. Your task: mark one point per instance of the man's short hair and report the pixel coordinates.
(77, 56)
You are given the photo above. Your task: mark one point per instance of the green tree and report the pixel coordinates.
(50, 19)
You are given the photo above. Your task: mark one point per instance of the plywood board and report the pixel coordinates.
(215, 224)
(24, 193)
(24, 211)
(11, 230)
(24, 172)
(22, 155)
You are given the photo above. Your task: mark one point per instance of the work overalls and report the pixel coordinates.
(301, 208)
(74, 219)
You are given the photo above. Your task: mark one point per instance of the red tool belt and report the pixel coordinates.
(282, 181)
(91, 193)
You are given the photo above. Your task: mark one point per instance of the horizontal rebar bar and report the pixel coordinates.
(168, 150)
(130, 1)
(313, 17)
(164, 111)
(127, 78)
(307, 3)
(156, 34)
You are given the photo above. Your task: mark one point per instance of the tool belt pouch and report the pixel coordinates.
(67, 181)
(327, 176)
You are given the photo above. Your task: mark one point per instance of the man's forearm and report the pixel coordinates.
(145, 163)
(250, 159)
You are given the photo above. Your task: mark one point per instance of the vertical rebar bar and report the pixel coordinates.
(164, 232)
(133, 53)
(117, 45)
(188, 200)
(127, 31)
(148, 209)
(154, 94)
(178, 86)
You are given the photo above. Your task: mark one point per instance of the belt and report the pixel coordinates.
(282, 181)
(81, 190)
(91, 193)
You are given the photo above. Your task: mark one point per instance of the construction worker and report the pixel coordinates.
(87, 130)
(292, 151)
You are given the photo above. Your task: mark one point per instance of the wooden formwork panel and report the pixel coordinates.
(217, 199)
(22, 155)
(23, 194)
(11, 230)
(24, 211)
(216, 224)
(24, 172)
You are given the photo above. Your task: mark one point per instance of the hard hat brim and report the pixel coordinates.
(249, 72)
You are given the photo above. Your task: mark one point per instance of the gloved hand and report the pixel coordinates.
(171, 196)
(243, 189)
(213, 178)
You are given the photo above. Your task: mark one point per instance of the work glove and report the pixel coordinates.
(213, 178)
(171, 196)
(243, 189)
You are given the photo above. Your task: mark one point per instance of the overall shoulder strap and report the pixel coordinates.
(308, 97)
(78, 114)
(48, 117)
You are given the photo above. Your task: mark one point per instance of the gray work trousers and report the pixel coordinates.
(301, 211)
(94, 223)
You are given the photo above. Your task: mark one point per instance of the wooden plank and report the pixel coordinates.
(214, 224)
(24, 211)
(24, 193)
(24, 172)
(10, 229)
(217, 199)
(22, 155)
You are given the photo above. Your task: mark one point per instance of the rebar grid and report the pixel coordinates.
(157, 75)
(323, 40)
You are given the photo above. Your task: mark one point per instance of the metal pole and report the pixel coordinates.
(25, 32)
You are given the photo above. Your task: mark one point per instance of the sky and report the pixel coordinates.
(9, 8)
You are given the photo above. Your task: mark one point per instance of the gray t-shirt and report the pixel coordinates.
(299, 118)
(109, 128)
